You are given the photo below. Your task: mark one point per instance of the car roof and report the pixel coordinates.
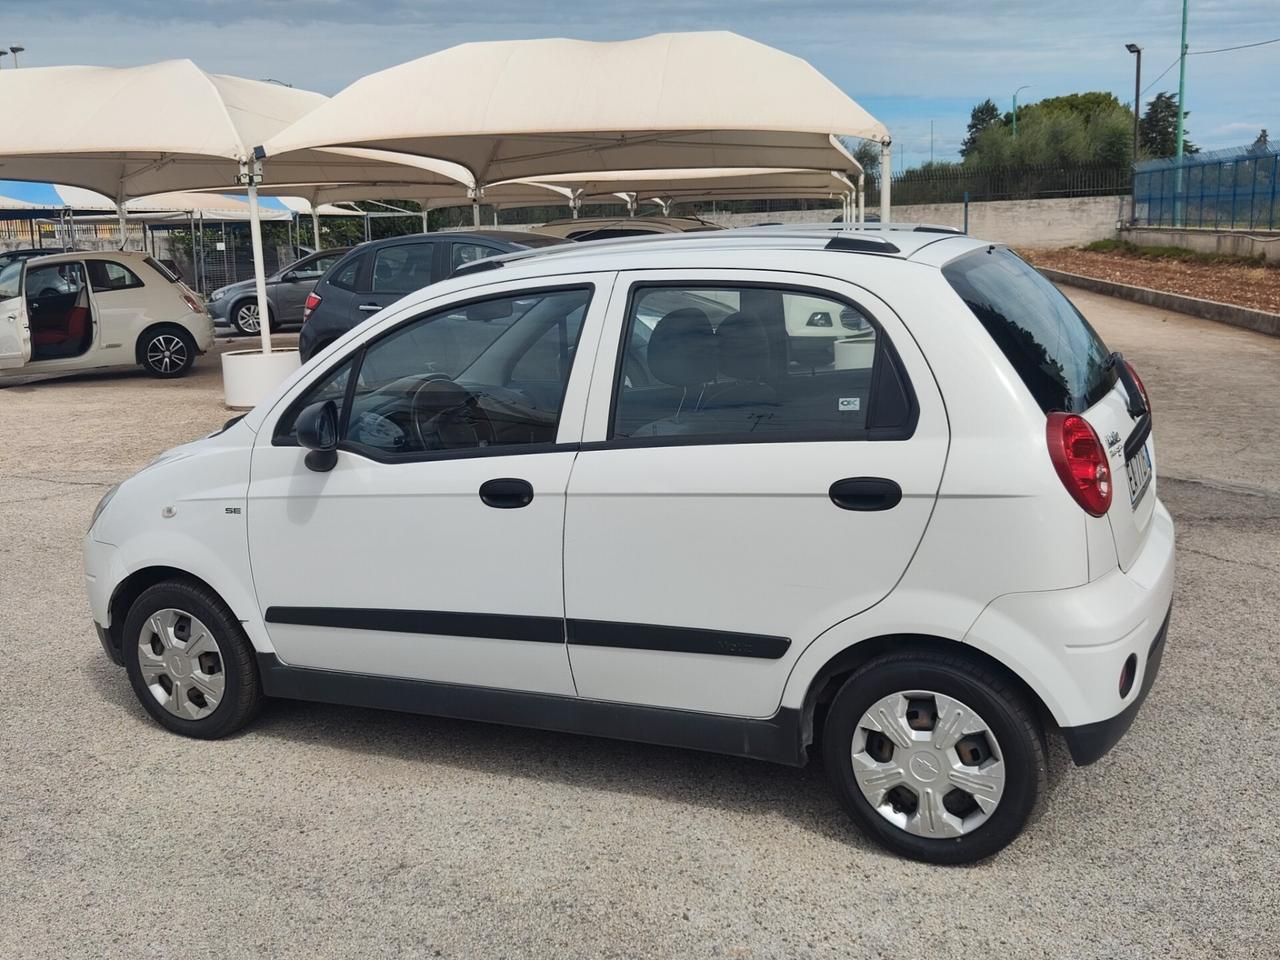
(132, 256)
(900, 241)
(509, 236)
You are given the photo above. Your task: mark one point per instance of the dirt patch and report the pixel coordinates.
(1245, 286)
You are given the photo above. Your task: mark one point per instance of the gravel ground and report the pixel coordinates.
(1245, 286)
(332, 832)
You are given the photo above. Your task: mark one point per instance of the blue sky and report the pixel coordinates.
(909, 62)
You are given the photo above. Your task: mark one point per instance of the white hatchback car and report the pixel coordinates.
(615, 489)
(72, 312)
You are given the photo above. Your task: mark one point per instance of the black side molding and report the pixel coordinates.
(593, 633)
(775, 739)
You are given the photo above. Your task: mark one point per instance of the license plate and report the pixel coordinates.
(1138, 468)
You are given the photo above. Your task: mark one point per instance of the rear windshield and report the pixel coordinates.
(161, 269)
(1060, 358)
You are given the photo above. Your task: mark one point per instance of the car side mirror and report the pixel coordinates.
(290, 277)
(318, 432)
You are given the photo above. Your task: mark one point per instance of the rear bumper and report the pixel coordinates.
(1091, 741)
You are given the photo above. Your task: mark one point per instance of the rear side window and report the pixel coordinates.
(107, 275)
(1060, 358)
(402, 268)
(733, 364)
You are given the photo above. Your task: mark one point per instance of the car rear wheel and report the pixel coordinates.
(936, 757)
(189, 661)
(167, 352)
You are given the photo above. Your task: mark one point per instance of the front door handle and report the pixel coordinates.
(369, 307)
(506, 493)
(865, 493)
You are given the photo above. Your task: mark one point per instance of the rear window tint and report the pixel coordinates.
(1060, 358)
(347, 273)
(161, 269)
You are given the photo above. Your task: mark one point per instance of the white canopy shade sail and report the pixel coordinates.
(533, 108)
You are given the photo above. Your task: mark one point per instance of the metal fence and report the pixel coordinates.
(1223, 190)
(951, 184)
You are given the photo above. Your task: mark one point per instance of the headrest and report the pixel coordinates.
(682, 348)
(743, 350)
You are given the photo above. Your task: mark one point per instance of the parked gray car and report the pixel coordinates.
(236, 304)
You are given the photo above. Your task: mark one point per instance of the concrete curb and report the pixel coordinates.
(1259, 320)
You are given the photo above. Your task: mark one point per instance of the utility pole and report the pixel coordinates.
(1182, 112)
(931, 143)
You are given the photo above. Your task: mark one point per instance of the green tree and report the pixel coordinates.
(981, 116)
(1078, 128)
(1158, 128)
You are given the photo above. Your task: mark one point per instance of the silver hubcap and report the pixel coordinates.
(166, 353)
(248, 318)
(928, 764)
(181, 664)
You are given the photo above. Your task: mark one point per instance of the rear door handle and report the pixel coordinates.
(369, 307)
(865, 493)
(506, 493)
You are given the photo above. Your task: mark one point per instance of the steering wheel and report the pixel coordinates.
(447, 416)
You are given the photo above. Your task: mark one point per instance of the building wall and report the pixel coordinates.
(1058, 222)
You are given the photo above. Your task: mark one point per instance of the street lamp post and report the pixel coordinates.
(1182, 113)
(1137, 98)
(1015, 108)
(15, 50)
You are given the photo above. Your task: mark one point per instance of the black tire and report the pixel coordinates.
(167, 352)
(236, 317)
(1003, 707)
(242, 691)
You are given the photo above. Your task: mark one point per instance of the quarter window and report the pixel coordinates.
(739, 363)
(107, 275)
(488, 374)
(347, 277)
(463, 253)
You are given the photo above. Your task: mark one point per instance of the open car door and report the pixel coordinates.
(15, 330)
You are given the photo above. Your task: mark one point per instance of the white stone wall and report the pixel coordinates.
(1060, 222)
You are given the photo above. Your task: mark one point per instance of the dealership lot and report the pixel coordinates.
(327, 831)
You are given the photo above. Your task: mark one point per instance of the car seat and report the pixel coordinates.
(681, 353)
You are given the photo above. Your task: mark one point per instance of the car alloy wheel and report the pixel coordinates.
(246, 319)
(181, 664)
(928, 764)
(167, 354)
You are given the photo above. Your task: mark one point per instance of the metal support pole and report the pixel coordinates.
(426, 217)
(862, 198)
(252, 175)
(315, 227)
(1182, 112)
(886, 178)
(124, 222)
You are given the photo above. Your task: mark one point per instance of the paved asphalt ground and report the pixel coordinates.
(330, 832)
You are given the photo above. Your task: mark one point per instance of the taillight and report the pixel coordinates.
(1080, 460)
(313, 301)
(195, 305)
(1142, 387)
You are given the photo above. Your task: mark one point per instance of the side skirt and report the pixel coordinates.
(776, 739)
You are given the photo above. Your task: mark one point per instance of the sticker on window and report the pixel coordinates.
(848, 404)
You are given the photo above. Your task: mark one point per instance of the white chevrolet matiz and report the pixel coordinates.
(881, 494)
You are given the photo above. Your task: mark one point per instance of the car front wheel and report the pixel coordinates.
(189, 661)
(936, 757)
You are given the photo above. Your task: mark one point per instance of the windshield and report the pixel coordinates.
(1060, 358)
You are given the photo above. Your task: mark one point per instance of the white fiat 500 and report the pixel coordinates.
(879, 494)
(88, 310)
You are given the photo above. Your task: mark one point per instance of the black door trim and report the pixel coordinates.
(592, 633)
(776, 739)
(437, 622)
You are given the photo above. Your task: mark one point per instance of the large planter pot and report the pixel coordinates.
(249, 376)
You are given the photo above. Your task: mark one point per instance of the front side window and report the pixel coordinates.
(1060, 358)
(488, 374)
(107, 275)
(751, 363)
(55, 285)
(11, 280)
(402, 268)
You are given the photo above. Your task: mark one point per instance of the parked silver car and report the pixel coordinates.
(236, 304)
